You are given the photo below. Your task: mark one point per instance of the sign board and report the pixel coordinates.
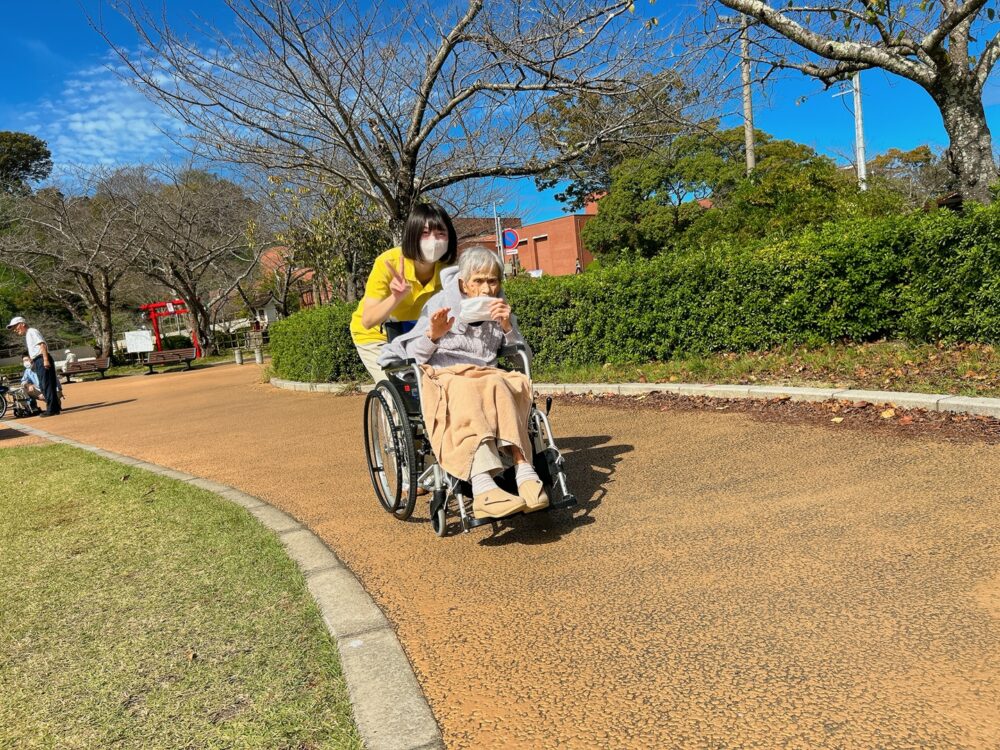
(138, 341)
(510, 251)
(510, 239)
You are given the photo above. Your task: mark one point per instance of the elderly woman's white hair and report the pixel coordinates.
(477, 259)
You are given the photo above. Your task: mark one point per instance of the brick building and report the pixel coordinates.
(553, 247)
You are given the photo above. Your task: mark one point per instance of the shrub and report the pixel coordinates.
(176, 341)
(923, 277)
(954, 291)
(314, 345)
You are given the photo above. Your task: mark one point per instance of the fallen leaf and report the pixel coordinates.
(838, 420)
(906, 420)
(888, 414)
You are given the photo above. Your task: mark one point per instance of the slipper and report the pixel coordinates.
(496, 504)
(533, 494)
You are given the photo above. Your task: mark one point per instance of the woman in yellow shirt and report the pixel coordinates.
(401, 281)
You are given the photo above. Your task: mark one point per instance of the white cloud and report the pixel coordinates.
(99, 119)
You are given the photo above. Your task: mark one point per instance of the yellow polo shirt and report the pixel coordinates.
(378, 289)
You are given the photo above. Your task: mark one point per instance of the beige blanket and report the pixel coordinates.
(465, 405)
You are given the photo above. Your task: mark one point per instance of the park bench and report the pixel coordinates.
(169, 356)
(100, 364)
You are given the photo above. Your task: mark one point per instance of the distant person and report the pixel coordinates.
(70, 358)
(31, 386)
(41, 362)
(578, 268)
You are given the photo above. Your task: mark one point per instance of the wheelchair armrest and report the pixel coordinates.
(512, 350)
(400, 364)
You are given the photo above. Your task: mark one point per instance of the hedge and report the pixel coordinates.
(314, 345)
(922, 277)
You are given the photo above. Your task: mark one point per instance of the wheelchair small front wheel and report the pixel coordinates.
(390, 451)
(439, 513)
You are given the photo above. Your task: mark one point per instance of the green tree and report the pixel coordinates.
(23, 159)
(656, 110)
(697, 192)
(917, 174)
(335, 232)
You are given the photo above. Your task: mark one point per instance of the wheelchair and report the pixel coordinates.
(400, 458)
(16, 399)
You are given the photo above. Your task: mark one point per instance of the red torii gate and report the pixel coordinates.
(156, 310)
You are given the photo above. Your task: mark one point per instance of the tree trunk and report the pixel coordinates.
(970, 151)
(105, 338)
(202, 322)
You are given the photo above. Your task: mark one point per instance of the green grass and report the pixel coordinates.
(141, 612)
(968, 370)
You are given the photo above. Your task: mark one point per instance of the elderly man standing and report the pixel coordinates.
(41, 362)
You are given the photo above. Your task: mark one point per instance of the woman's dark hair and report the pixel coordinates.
(435, 218)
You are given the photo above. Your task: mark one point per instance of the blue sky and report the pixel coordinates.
(58, 86)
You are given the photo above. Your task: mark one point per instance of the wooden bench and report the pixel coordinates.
(87, 365)
(169, 356)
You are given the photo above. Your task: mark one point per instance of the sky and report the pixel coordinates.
(58, 84)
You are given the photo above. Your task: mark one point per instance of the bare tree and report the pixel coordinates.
(947, 47)
(202, 237)
(394, 100)
(77, 249)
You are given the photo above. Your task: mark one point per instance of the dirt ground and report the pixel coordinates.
(728, 579)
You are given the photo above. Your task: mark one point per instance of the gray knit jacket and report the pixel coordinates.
(464, 344)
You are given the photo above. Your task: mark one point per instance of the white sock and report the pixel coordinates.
(483, 483)
(525, 473)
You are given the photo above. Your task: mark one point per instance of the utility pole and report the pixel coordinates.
(746, 76)
(748, 134)
(859, 134)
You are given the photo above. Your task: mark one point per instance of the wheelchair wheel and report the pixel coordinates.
(439, 513)
(389, 448)
(3, 405)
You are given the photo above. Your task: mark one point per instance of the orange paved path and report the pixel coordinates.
(724, 583)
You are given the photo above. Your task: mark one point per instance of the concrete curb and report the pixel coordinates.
(389, 707)
(987, 407)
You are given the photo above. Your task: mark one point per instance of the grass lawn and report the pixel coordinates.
(966, 370)
(140, 612)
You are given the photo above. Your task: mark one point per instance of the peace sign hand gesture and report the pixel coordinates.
(399, 287)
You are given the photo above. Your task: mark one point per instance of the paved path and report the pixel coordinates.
(724, 583)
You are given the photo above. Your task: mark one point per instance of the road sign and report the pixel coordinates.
(510, 239)
(510, 251)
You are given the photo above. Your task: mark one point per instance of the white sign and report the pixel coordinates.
(138, 341)
(511, 251)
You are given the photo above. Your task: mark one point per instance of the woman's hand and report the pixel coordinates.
(440, 324)
(500, 312)
(399, 287)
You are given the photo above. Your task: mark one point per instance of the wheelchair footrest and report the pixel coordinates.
(472, 523)
(567, 501)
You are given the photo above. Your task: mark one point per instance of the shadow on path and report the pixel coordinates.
(87, 407)
(590, 464)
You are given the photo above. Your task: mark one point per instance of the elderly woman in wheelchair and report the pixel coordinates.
(448, 419)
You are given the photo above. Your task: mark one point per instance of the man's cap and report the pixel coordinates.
(16, 320)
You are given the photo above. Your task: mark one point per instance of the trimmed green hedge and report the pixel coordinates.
(922, 277)
(314, 345)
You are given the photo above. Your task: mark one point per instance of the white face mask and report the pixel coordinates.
(432, 250)
(476, 309)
